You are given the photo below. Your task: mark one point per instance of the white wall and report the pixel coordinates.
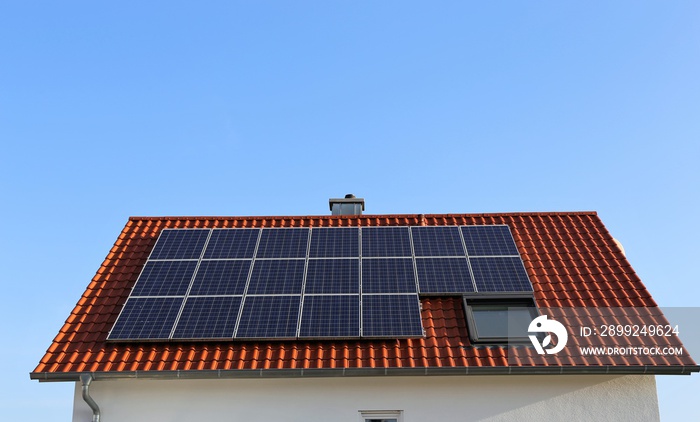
(435, 398)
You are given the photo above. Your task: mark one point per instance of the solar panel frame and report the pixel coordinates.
(283, 243)
(384, 312)
(393, 242)
(208, 318)
(138, 321)
(180, 244)
(267, 317)
(232, 243)
(164, 278)
(437, 241)
(493, 240)
(388, 275)
(500, 274)
(220, 277)
(334, 242)
(444, 276)
(332, 276)
(330, 316)
(265, 277)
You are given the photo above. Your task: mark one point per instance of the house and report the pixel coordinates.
(432, 330)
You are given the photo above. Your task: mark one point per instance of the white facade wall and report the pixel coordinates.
(426, 399)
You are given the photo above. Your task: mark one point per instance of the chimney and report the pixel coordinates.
(347, 206)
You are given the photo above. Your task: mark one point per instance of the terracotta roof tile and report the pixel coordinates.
(570, 258)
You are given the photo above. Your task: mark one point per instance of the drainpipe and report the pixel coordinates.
(86, 379)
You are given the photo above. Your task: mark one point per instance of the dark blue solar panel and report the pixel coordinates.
(220, 278)
(208, 318)
(444, 275)
(500, 275)
(391, 316)
(331, 279)
(333, 276)
(165, 278)
(277, 277)
(489, 240)
(394, 275)
(269, 317)
(385, 241)
(231, 243)
(334, 242)
(180, 244)
(146, 318)
(330, 316)
(283, 243)
(437, 241)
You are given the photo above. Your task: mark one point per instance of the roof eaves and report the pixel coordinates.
(372, 372)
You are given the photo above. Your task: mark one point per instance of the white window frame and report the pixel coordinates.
(381, 414)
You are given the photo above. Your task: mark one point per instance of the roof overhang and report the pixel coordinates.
(371, 372)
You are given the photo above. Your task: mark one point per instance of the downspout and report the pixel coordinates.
(86, 379)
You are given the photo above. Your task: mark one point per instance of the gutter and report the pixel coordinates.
(361, 372)
(86, 379)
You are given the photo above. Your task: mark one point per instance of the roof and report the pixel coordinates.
(570, 258)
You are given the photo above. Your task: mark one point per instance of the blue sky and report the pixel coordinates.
(270, 108)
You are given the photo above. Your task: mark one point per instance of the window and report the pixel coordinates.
(381, 415)
(499, 319)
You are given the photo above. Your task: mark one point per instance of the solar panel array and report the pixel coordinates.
(286, 283)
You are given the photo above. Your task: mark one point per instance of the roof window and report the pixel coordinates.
(499, 319)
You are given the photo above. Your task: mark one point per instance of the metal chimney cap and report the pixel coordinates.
(349, 199)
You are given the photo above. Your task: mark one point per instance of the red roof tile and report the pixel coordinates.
(570, 258)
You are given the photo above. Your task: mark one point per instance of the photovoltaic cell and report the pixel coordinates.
(334, 242)
(285, 276)
(269, 317)
(393, 275)
(208, 318)
(489, 240)
(330, 316)
(283, 243)
(221, 278)
(164, 278)
(444, 275)
(391, 316)
(437, 241)
(180, 244)
(146, 319)
(231, 243)
(385, 242)
(333, 276)
(501, 274)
